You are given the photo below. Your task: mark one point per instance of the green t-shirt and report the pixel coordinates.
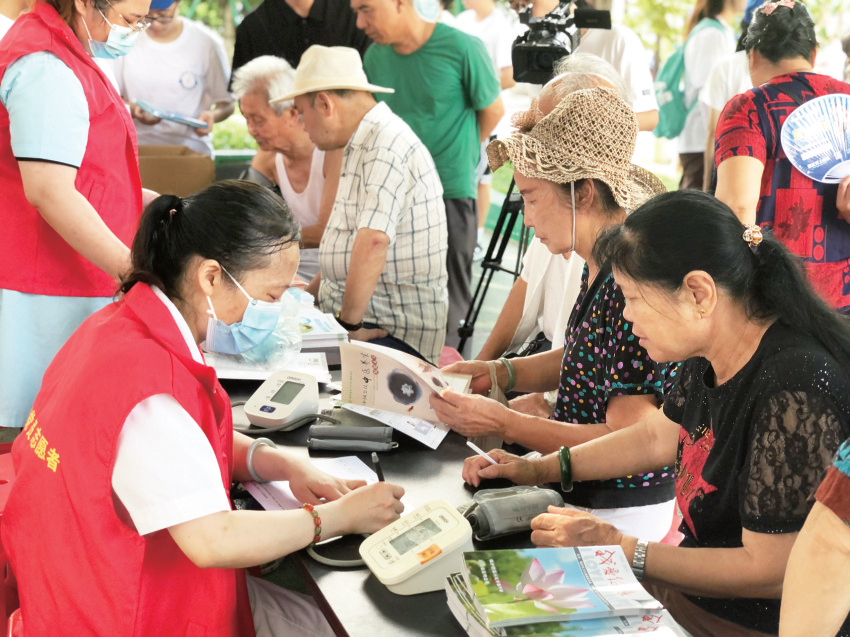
(438, 89)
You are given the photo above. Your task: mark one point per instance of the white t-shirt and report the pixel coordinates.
(165, 470)
(5, 25)
(621, 47)
(497, 31)
(185, 76)
(447, 17)
(553, 286)
(727, 79)
(304, 205)
(702, 52)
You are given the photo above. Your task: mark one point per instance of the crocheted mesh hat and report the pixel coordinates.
(590, 134)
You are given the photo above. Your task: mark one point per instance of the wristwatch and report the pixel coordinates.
(351, 327)
(639, 560)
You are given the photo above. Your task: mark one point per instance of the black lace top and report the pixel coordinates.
(753, 451)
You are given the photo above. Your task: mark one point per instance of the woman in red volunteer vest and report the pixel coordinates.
(69, 178)
(119, 522)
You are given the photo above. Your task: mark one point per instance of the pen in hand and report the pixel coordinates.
(377, 464)
(477, 450)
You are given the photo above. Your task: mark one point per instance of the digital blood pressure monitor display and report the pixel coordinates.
(287, 392)
(409, 540)
(285, 397)
(415, 553)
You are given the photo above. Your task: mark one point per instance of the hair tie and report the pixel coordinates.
(769, 7)
(171, 212)
(752, 235)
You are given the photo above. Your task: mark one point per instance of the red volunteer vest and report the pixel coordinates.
(33, 257)
(81, 569)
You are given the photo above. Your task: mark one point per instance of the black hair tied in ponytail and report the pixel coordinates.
(683, 231)
(237, 223)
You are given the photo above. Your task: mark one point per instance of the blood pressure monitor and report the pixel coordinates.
(416, 553)
(285, 397)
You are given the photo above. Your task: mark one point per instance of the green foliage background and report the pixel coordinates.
(659, 24)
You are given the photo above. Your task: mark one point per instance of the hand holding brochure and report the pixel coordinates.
(381, 379)
(171, 116)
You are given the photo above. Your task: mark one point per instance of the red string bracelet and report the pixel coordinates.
(317, 522)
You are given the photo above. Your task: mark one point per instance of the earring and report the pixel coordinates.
(702, 312)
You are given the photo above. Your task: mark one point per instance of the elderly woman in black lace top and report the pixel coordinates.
(761, 405)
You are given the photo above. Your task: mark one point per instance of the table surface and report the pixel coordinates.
(355, 602)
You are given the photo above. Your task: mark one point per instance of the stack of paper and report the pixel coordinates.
(239, 368)
(320, 330)
(588, 591)
(321, 333)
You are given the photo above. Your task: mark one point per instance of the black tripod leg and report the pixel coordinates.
(511, 210)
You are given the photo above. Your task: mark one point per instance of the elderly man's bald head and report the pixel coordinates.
(577, 72)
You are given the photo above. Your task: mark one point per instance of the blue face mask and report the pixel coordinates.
(120, 41)
(257, 324)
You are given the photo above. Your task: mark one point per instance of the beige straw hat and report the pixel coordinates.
(323, 68)
(591, 134)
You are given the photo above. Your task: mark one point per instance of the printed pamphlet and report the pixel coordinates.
(387, 380)
(462, 606)
(525, 586)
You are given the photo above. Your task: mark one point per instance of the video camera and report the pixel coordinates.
(550, 38)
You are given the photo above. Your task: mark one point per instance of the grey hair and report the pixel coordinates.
(578, 70)
(268, 76)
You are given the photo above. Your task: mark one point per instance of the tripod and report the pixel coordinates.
(511, 210)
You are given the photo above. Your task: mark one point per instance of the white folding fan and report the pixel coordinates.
(816, 138)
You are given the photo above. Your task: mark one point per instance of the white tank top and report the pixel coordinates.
(304, 205)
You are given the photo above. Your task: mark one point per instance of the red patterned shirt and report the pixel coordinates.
(801, 212)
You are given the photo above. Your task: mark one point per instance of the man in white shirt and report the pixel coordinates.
(177, 65)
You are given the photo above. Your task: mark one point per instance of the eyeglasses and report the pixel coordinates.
(140, 25)
(163, 19)
(166, 19)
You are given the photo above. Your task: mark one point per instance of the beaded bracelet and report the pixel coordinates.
(566, 469)
(509, 367)
(317, 523)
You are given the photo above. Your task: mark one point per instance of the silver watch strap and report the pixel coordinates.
(639, 560)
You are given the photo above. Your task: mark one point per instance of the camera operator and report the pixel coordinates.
(620, 47)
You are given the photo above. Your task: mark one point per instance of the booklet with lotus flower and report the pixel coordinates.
(526, 586)
(462, 605)
(395, 388)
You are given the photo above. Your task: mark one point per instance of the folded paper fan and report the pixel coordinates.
(816, 138)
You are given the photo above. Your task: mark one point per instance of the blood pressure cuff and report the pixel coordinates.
(354, 432)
